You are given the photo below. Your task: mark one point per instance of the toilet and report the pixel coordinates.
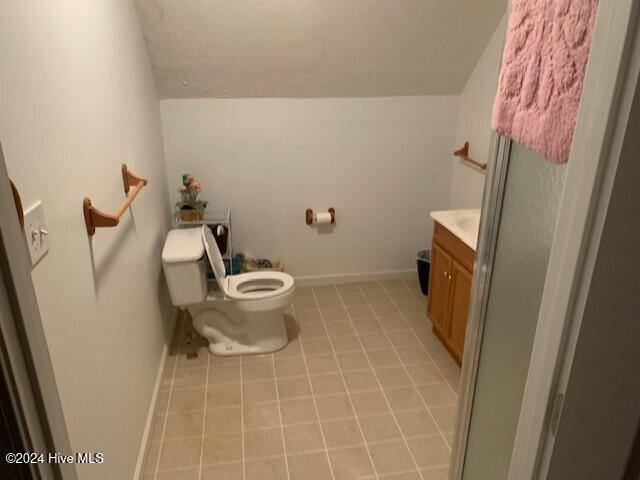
(237, 314)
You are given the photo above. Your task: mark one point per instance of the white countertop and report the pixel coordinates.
(464, 224)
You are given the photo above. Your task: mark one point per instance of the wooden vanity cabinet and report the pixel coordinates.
(449, 289)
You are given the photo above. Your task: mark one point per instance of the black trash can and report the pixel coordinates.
(424, 262)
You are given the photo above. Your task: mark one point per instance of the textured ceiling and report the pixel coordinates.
(315, 48)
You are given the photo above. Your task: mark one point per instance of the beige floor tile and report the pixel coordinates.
(316, 346)
(263, 443)
(414, 355)
(396, 285)
(337, 329)
(387, 321)
(187, 424)
(327, 384)
(329, 301)
(391, 457)
(359, 311)
(163, 401)
(180, 453)
(319, 364)
(393, 377)
(351, 463)
(223, 448)
(366, 325)
(385, 309)
(403, 398)
(393, 323)
(259, 391)
(261, 415)
(347, 344)
(445, 417)
(224, 395)
(374, 341)
(342, 433)
(360, 381)
(334, 407)
(377, 298)
(151, 460)
(429, 451)
(348, 289)
(416, 423)
(158, 427)
(200, 358)
(369, 403)
(303, 438)
(310, 315)
(384, 358)
(353, 299)
(260, 359)
(401, 476)
(304, 292)
(230, 471)
(224, 374)
(223, 420)
(186, 378)
(187, 400)
(295, 387)
(424, 374)
(266, 469)
(332, 313)
(350, 361)
(309, 466)
(380, 428)
(301, 410)
(437, 473)
(258, 371)
(313, 330)
(403, 339)
(187, 474)
(437, 395)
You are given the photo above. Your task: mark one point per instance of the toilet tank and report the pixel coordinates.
(183, 268)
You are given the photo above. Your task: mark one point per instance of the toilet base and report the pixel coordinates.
(233, 332)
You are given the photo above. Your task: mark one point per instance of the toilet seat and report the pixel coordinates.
(258, 285)
(246, 286)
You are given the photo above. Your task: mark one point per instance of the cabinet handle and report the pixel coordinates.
(445, 274)
(449, 276)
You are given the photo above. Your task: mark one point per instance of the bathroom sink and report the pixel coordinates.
(464, 224)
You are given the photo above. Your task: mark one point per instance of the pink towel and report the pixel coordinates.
(542, 72)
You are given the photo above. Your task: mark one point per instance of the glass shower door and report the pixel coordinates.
(526, 225)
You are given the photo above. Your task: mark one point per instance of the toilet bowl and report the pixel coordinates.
(237, 314)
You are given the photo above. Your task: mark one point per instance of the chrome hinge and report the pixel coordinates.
(557, 413)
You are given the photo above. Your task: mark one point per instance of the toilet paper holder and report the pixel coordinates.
(309, 218)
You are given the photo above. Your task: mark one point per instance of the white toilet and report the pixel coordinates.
(238, 314)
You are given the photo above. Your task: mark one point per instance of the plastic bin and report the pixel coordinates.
(424, 263)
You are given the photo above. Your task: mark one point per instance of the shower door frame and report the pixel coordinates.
(598, 137)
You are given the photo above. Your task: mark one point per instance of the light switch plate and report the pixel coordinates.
(35, 229)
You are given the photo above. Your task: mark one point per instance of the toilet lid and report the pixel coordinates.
(214, 256)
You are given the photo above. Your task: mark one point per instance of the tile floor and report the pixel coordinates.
(364, 390)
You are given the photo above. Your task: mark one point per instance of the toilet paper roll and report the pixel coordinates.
(323, 218)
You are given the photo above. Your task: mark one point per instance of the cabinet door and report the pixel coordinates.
(461, 291)
(437, 303)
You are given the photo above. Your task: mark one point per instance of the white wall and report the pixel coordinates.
(474, 124)
(76, 100)
(382, 163)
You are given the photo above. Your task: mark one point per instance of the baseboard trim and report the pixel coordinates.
(144, 444)
(312, 280)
